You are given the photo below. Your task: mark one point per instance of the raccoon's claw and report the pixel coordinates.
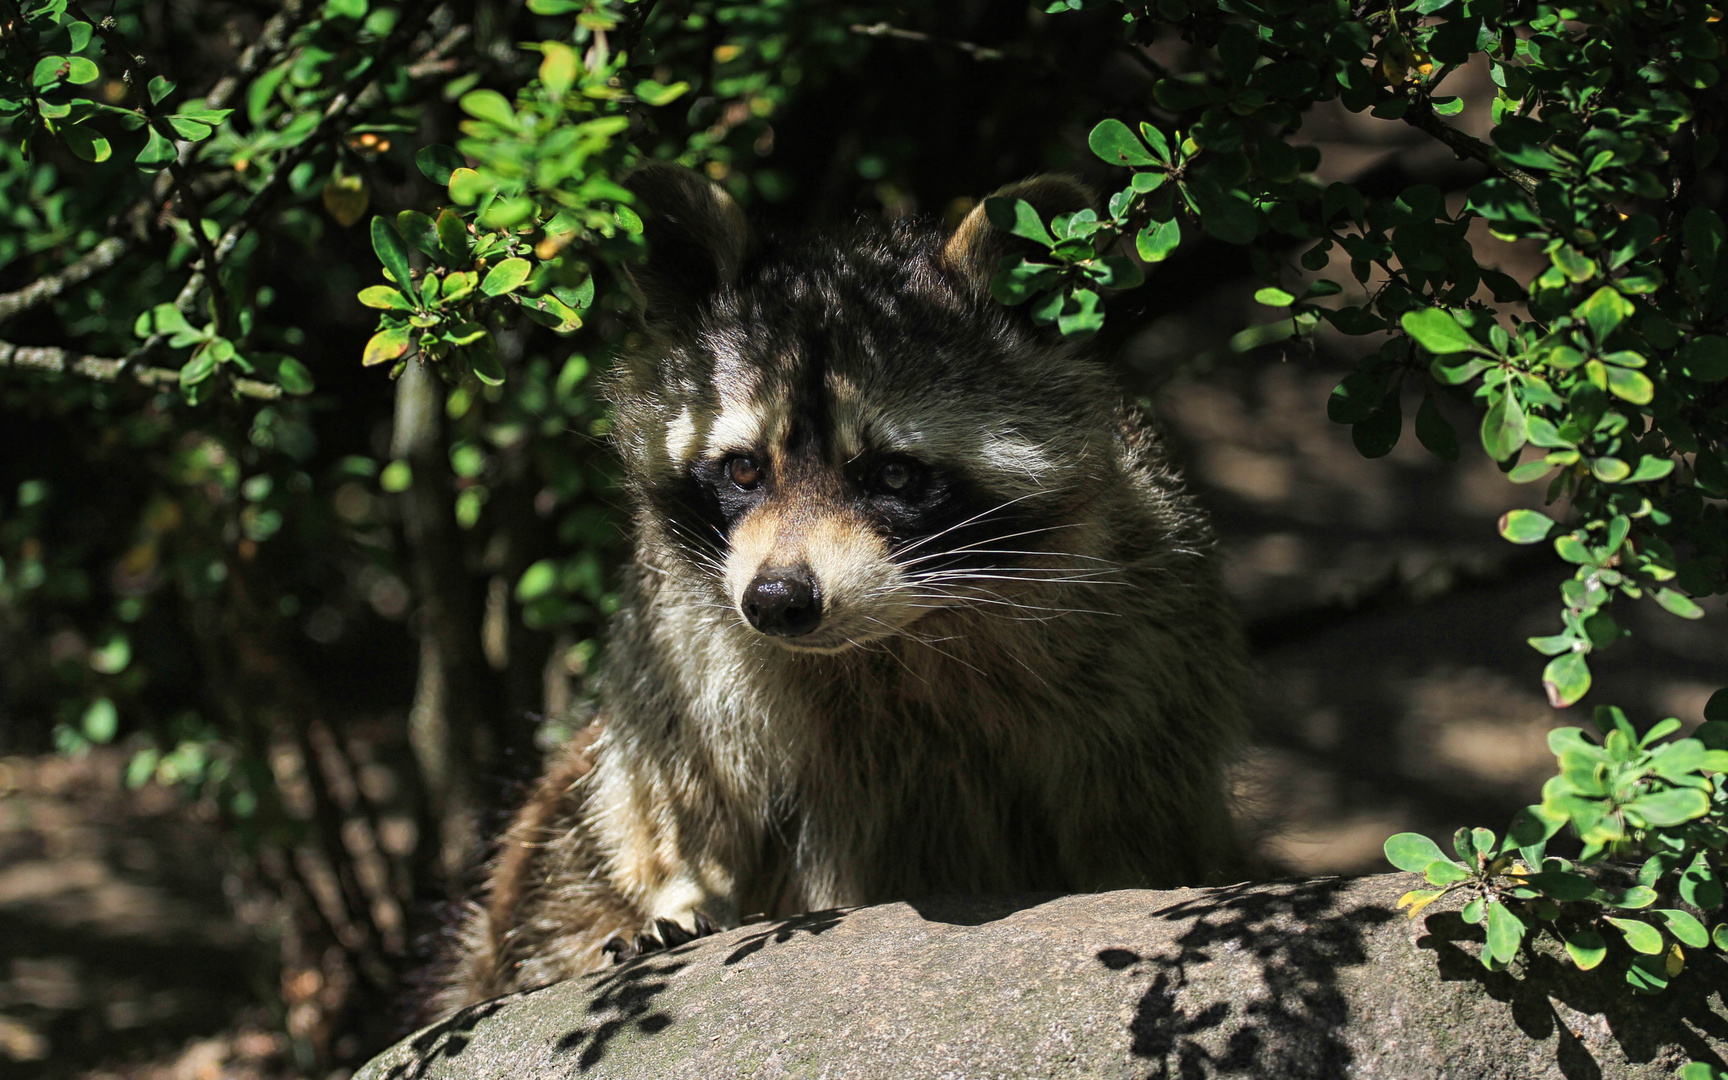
(660, 934)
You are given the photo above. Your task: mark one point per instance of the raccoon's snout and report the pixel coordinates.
(784, 602)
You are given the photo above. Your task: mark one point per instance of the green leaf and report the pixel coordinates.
(1703, 1070)
(505, 277)
(1603, 311)
(1446, 872)
(558, 69)
(101, 721)
(1700, 885)
(196, 370)
(1504, 431)
(1640, 935)
(467, 186)
(1638, 896)
(386, 344)
(293, 376)
(159, 89)
(436, 162)
(262, 93)
(397, 477)
(483, 358)
(158, 151)
(491, 106)
(1436, 330)
(194, 130)
(1114, 142)
(649, 92)
(419, 231)
(86, 142)
(453, 238)
(1412, 851)
(537, 581)
(80, 70)
(1435, 432)
(1610, 470)
(1158, 239)
(1525, 526)
(391, 251)
(47, 71)
(1156, 141)
(1227, 216)
(1633, 386)
(384, 298)
(1586, 948)
(1686, 929)
(1566, 679)
(1018, 217)
(1674, 806)
(1679, 604)
(1705, 358)
(1505, 932)
(1356, 397)
(1377, 433)
(1274, 297)
(1081, 313)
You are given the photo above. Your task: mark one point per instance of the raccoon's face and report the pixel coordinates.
(841, 437)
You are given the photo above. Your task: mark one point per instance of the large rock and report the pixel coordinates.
(1287, 980)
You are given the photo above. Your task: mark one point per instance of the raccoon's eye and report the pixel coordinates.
(897, 476)
(744, 472)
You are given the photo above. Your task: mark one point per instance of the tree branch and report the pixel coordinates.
(135, 72)
(110, 369)
(271, 40)
(44, 289)
(1422, 117)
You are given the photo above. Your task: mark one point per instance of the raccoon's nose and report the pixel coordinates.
(784, 602)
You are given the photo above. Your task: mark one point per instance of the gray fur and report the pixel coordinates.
(1055, 717)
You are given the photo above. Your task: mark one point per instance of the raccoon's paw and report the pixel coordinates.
(658, 935)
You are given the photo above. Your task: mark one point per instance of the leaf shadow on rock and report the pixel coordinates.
(814, 922)
(1644, 1025)
(448, 1038)
(625, 997)
(1284, 1014)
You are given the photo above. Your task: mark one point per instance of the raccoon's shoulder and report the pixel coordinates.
(1144, 447)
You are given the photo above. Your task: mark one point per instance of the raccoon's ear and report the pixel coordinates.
(977, 246)
(697, 237)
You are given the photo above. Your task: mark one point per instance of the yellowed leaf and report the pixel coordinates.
(346, 199)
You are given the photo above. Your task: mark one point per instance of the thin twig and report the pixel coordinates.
(882, 29)
(111, 369)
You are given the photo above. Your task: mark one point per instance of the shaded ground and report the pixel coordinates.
(118, 941)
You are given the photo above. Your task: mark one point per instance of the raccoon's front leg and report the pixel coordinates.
(675, 849)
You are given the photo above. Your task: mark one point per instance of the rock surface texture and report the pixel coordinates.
(1289, 980)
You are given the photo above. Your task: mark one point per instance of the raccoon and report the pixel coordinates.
(918, 606)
